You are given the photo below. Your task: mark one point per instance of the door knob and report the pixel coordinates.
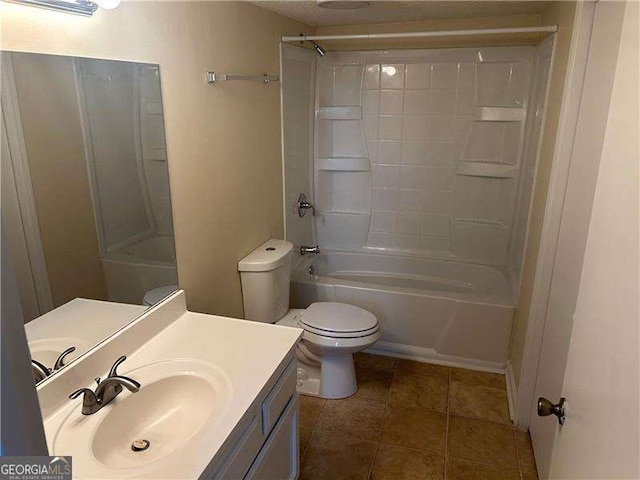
(546, 408)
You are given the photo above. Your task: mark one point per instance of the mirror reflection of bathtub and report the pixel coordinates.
(138, 267)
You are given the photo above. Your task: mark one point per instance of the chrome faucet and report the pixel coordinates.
(304, 250)
(107, 390)
(40, 372)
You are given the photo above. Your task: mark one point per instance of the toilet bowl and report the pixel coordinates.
(154, 295)
(332, 331)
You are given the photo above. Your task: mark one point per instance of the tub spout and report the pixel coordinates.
(304, 250)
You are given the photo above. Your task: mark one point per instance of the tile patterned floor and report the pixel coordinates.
(411, 421)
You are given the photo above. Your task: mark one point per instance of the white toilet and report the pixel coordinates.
(332, 331)
(154, 295)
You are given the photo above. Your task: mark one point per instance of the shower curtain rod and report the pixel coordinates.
(437, 33)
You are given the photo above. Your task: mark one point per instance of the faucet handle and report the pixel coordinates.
(112, 372)
(86, 391)
(60, 361)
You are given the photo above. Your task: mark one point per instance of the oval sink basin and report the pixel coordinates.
(176, 401)
(166, 413)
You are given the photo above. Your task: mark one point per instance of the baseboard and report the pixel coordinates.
(512, 393)
(429, 355)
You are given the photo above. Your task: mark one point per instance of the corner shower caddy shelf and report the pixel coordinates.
(499, 114)
(484, 169)
(344, 164)
(340, 113)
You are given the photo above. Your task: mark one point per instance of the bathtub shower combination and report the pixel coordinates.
(128, 176)
(420, 165)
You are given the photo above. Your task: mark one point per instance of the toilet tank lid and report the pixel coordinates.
(268, 256)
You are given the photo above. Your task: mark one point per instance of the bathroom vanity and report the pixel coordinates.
(217, 400)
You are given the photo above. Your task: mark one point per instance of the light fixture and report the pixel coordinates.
(108, 4)
(342, 4)
(85, 8)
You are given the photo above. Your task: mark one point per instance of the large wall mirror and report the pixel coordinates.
(85, 198)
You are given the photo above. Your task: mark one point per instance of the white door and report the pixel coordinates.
(590, 347)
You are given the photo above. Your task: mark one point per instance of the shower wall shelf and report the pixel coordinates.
(344, 164)
(499, 114)
(265, 78)
(477, 221)
(340, 113)
(482, 169)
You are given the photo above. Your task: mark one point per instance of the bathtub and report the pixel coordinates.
(135, 268)
(437, 310)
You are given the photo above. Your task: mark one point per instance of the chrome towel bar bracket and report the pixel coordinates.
(213, 77)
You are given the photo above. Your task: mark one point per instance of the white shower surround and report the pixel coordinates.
(448, 293)
(420, 151)
(134, 269)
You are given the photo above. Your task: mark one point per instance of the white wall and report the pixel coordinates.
(108, 98)
(153, 149)
(298, 87)
(223, 141)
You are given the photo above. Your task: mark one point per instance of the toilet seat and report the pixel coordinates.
(153, 296)
(325, 357)
(338, 320)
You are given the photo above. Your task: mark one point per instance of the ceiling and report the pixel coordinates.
(308, 12)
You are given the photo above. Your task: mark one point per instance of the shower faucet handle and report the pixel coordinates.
(303, 206)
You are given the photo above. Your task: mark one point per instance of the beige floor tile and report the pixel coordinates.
(373, 384)
(310, 409)
(415, 428)
(353, 417)
(525, 453)
(304, 435)
(379, 362)
(407, 367)
(397, 463)
(460, 469)
(419, 391)
(478, 401)
(336, 457)
(481, 441)
(475, 377)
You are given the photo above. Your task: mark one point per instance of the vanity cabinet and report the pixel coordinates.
(264, 446)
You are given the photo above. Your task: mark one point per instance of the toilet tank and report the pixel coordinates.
(265, 275)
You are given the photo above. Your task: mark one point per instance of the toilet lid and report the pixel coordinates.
(154, 296)
(338, 318)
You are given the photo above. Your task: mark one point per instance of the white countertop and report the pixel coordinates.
(248, 353)
(81, 323)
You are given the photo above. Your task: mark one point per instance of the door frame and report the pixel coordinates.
(24, 201)
(555, 202)
(563, 172)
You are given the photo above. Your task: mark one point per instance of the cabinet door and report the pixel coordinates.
(278, 459)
